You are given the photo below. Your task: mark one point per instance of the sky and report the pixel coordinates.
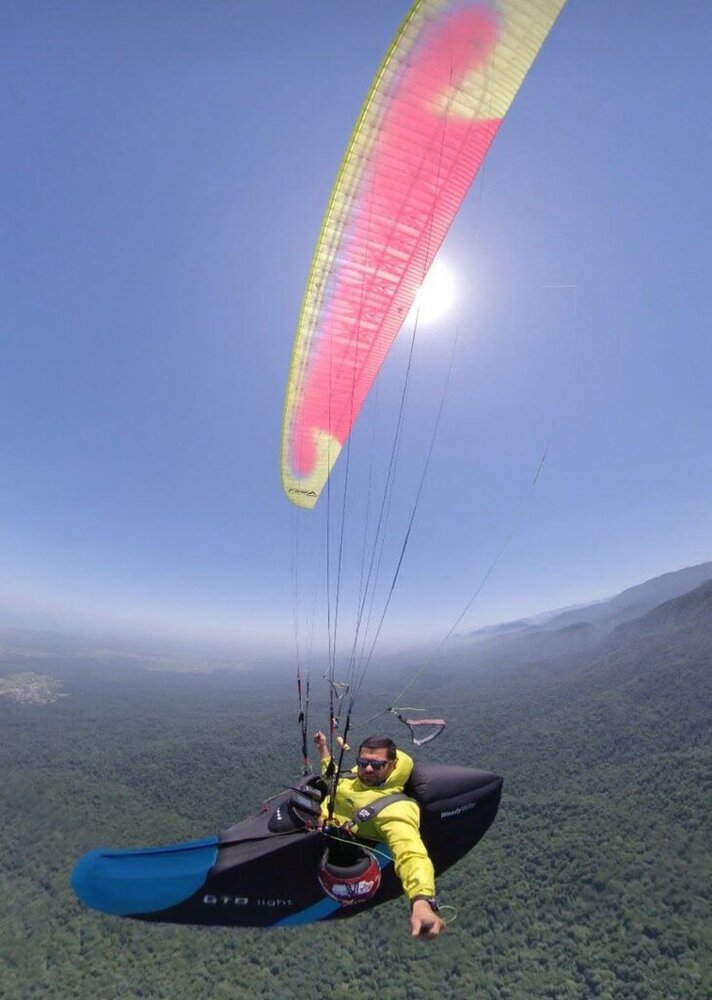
(165, 167)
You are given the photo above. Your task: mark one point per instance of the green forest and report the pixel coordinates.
(593, 882)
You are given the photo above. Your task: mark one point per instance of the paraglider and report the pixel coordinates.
(432, 112)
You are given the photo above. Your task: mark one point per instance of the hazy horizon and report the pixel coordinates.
(169, 642)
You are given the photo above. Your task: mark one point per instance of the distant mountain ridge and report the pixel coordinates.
(640, 690)
(637, 600)
(583, 627)
(652, 674)
(683, 619)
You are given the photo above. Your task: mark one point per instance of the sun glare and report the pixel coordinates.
(436, 295)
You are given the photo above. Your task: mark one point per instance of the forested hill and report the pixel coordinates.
(687, 620)
(646, 685)
(590, 884)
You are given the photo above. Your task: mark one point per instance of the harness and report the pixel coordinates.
(366, 813)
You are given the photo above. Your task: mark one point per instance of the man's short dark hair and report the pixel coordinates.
(379, 743)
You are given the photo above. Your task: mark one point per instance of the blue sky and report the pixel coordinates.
(165, 168)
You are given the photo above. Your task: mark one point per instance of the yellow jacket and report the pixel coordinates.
(398, 825)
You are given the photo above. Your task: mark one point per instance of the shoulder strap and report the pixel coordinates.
(367, 813)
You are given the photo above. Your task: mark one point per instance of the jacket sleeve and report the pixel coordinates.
(399, 826)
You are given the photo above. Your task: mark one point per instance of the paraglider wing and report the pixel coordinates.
(433, 109)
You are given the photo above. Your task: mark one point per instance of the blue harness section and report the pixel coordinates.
(143, 881)
(325, 907)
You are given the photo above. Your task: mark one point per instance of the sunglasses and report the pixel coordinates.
(377, 765)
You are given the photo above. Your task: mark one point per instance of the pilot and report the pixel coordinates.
(382, 771)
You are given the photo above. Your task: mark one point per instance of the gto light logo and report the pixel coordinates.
(225, 900)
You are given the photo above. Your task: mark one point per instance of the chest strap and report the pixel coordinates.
(367, 813)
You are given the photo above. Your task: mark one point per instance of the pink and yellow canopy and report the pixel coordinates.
(434, 107)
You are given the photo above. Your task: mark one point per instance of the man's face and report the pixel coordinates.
(374, 766)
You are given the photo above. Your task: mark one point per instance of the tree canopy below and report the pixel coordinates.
(590, 884)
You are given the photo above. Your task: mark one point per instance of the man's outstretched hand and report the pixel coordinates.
(424, 921)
